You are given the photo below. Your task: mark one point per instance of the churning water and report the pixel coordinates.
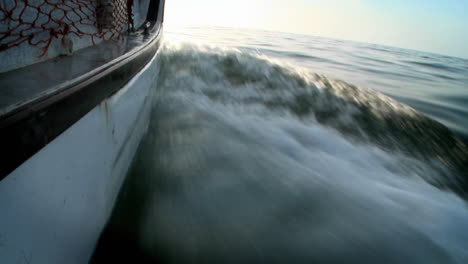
(277, 148)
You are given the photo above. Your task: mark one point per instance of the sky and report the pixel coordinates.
(439, 26)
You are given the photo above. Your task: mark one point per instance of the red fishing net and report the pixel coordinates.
(39, 22)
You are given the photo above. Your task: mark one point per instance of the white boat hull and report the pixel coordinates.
(54, 206)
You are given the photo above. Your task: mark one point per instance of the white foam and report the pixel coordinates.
(262, 180)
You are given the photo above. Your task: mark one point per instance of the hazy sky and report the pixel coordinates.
(439, 26)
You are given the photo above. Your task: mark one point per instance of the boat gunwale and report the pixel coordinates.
(32, 124)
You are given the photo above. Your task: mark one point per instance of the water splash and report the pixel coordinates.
(249, 160)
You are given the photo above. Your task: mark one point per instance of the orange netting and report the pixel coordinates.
(38, 22)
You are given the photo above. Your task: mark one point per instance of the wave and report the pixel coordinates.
(236, 79)
(252, 160)
(434, 65)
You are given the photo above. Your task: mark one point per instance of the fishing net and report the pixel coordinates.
(38, 22)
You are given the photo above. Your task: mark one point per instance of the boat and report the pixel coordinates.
(74, 104)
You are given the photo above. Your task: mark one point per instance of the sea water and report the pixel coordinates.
(268, 147)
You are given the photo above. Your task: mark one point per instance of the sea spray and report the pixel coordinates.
(252, 161)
